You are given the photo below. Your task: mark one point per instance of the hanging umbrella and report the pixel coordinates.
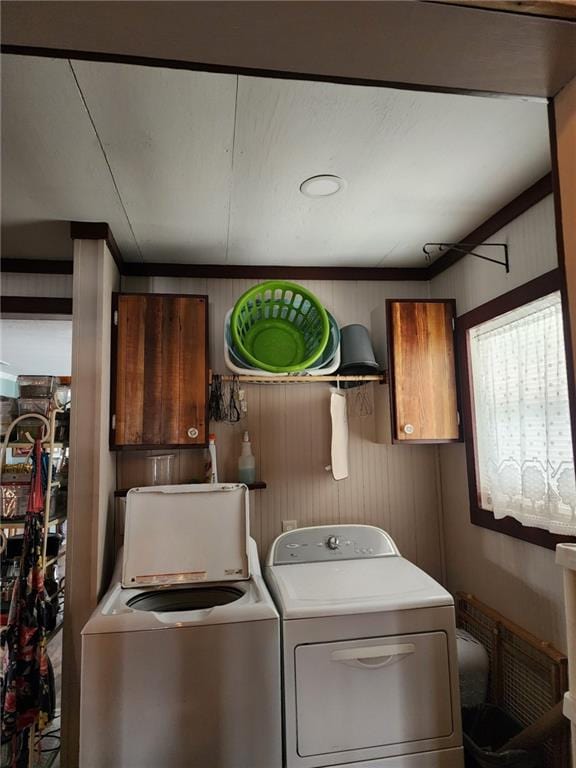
(26, 693)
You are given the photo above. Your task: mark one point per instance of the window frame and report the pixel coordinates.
(524, 294)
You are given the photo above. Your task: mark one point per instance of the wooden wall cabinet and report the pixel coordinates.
(422, 371)
(160, 379)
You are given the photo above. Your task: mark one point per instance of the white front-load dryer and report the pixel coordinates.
(370, 675)
(181, 670)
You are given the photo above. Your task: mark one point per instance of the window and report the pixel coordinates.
(517, 414)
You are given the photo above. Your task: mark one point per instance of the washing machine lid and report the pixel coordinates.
(306, 590)
(184, 534)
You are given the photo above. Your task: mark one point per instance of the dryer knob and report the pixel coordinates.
(333, 542)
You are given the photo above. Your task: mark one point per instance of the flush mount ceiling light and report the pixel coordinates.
(322, 186)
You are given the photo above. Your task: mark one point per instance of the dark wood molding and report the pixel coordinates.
(516, 207)
(534, 289)
(548, 9)
(273, 74)
(511, 527)
(35, 305)
(540, 286)
(477, 51)
(568, 340)
(38, 266)
(97, 230)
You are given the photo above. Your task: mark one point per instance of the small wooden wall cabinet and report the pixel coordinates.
(422, 371)
(160, 381)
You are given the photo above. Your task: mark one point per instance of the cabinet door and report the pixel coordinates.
(422, 371)
(159, 389)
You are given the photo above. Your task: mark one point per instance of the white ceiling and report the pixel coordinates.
(206, 168)
(36, 347)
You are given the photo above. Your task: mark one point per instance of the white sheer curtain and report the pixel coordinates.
(523, 443)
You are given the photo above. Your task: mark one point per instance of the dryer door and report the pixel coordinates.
(376, 692)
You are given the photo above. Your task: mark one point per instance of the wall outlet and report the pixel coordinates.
(289, 525)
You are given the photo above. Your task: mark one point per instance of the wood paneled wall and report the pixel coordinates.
(24, 284)
(394, 487)
(518, 579)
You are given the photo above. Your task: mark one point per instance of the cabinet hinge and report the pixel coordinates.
(114, 421)
(115, 317)
(453, 325)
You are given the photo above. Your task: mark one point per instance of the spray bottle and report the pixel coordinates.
(210, 465)
(246, 462)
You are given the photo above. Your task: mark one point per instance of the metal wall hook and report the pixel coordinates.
(467, 249)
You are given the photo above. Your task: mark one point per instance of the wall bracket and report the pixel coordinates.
(468, 249)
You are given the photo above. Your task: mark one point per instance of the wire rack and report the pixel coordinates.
(527, 675)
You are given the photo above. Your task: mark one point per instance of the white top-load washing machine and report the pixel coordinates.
(181, 658)
(370, 674)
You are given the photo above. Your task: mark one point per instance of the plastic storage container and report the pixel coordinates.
(33, 427)
(473, 669)
(34, 405)
(160, 469)
(357, 352)
(37, 386)
(14, 498)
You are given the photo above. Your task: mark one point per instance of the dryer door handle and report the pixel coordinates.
(374, 656)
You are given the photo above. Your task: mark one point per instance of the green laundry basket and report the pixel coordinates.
(279, 327)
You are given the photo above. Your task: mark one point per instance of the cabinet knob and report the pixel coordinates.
(408, 429)
(193, 433)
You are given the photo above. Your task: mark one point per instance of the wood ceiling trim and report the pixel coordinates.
(38, 266)
(397, 44)
(35, 305)
(97, 230)
(563, 10)
(273, 74)
(525, 200)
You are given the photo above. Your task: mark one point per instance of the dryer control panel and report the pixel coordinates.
(325, 543)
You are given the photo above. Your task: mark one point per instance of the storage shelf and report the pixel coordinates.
(257, 486)
(255, 379)
(45, 444)
(21, 523)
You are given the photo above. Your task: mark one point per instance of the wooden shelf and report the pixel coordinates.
(259, 485)
(255, 379)
(31, 445)
(20, 523)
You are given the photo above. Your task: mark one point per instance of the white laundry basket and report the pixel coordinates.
(234, 365)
